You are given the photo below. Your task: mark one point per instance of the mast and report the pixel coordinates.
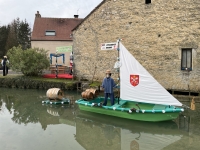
(118, 69)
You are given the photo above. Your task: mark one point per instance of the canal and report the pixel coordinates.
(27, 124)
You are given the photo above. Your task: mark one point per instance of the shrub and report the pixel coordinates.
(30, 62)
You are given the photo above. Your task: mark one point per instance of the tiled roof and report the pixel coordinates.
(62, 27)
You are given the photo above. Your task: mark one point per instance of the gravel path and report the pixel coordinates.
(9, 72)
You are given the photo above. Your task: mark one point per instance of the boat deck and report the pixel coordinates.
(121, 103)
(127, 105)
(131, 110)
(141, 105)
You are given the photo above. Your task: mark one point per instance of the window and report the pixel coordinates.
(50, 33)
(147, 1)
(186, 59)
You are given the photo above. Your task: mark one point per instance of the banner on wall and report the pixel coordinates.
(108, 46)
(64, 49)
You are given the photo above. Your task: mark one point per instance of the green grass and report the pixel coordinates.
(52, 79)
(68, 82)
(12, 76)
(95, 84)
(40, 78)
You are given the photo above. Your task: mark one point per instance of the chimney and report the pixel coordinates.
(38, 15)
(75, 16)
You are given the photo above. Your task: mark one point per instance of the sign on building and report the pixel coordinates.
(108, 46)
(64, 49)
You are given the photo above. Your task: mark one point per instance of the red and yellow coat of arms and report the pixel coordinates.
(134, 80)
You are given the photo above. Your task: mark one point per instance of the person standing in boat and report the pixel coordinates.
(108, 84)
(4, 64)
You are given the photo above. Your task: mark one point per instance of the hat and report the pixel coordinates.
(4, 56)
(108, 71)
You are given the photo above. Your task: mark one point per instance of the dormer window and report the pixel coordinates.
(147, 1)
(50, 33)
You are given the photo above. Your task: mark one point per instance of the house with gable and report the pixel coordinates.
(54, 33)
(163, 35)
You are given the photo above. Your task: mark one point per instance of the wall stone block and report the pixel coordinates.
(153, 33)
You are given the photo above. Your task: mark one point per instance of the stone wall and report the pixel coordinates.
(154, 33)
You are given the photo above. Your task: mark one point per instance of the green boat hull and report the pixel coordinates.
(145, 112)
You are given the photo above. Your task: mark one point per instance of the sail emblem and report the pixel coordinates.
(134, 80)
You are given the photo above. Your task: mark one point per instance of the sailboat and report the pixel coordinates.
(141, 96)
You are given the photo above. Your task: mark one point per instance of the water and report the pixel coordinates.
(27, 124)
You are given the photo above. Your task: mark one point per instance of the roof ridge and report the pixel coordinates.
(60, 18)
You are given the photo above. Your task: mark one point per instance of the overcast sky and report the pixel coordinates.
(26, 9)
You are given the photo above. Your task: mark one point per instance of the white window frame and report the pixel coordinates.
(187, 54)
(50, 33)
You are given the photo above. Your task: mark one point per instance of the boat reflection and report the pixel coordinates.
(95, 131)
(57, 114)
(103, 132)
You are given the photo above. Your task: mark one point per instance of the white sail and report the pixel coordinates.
(136, 83)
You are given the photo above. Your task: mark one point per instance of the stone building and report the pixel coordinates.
(51, 33)
(163, 35)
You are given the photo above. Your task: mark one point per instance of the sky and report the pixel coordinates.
(26, 9)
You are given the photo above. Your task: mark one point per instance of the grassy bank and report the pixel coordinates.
(21, 81)
(24, 82)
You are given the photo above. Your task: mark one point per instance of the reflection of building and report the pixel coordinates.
(183, 122)
(189, 122)
(144, 141)
(1, 105)
(50, 120)
(57, 115)
(98, 135)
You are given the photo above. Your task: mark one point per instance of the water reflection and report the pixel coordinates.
(99, 132)
(23, 117)
(27, 124)
(58, 115)
(26, 107)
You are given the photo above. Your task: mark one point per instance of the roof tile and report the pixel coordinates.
(62, 26)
